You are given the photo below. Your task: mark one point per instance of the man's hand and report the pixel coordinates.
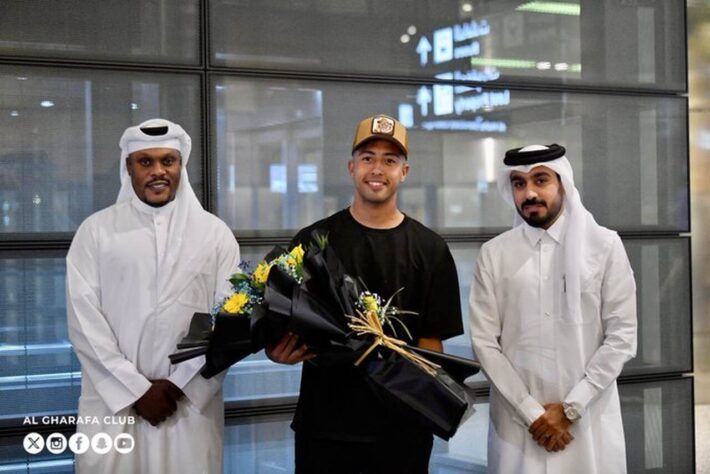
(431, 343)
(159, 402)
(286, 351)
(550, 430)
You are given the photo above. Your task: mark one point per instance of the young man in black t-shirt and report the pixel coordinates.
(341, 426)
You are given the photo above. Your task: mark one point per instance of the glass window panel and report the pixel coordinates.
(259, 444)
(627, 44)
(163, 31)
(39, 372)
(60, 130)
(662, 272)
(15, 460)
(629, 153)
(658, 424)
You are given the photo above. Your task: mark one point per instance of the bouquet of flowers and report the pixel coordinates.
(249, 286)
(307, 292)
(227, 335)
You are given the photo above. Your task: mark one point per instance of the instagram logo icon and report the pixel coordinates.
(56, 443)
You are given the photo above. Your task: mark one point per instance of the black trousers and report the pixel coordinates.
(390, 454)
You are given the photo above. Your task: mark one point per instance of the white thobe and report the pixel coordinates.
(128, 307)
(534, 353)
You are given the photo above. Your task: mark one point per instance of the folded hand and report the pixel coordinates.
(159, 402)
(551, 429)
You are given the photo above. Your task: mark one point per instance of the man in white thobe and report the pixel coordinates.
(553, 320)
(136, 272)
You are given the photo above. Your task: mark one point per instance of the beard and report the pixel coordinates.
(539, 219)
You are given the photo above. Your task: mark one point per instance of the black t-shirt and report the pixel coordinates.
(335, 402)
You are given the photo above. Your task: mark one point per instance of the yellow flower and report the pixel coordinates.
(297, 253)
(235, 303)
(370, 303)
(261, 273)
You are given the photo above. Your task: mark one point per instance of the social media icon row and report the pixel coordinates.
(79, 443)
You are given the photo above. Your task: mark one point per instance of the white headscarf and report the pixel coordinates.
(580, 237)
(135, 139)
(188, 241)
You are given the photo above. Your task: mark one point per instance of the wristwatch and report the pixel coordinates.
(571, 412)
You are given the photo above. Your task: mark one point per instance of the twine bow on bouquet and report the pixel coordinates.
(406, 381)
(369, 322)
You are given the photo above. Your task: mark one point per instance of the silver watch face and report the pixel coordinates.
(570, 412)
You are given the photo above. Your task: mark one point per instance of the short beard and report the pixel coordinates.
(537, 220)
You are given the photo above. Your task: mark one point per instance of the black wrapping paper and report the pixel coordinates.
(458, 368)
(230, 342)
(197, 339)
(325, 278)
(437, 402)
(323, 329)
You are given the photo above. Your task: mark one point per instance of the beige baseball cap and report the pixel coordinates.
(381, 127)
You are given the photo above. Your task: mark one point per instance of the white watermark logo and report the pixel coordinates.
(79, 443)
(33, 443)
(101, 443)
(124, 443)
(56, 443)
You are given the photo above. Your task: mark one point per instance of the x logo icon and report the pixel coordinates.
(33, 443)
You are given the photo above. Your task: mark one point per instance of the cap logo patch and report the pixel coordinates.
(383, 126)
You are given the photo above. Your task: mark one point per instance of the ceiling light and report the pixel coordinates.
(511, 63)
(561, 66)
(404, 38)
(552, 8)
(504, 63)
(47, 103)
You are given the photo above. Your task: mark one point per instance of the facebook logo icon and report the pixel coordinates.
(79, 443)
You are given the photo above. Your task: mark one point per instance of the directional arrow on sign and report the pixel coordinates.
(424, 99)
(423, 49)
